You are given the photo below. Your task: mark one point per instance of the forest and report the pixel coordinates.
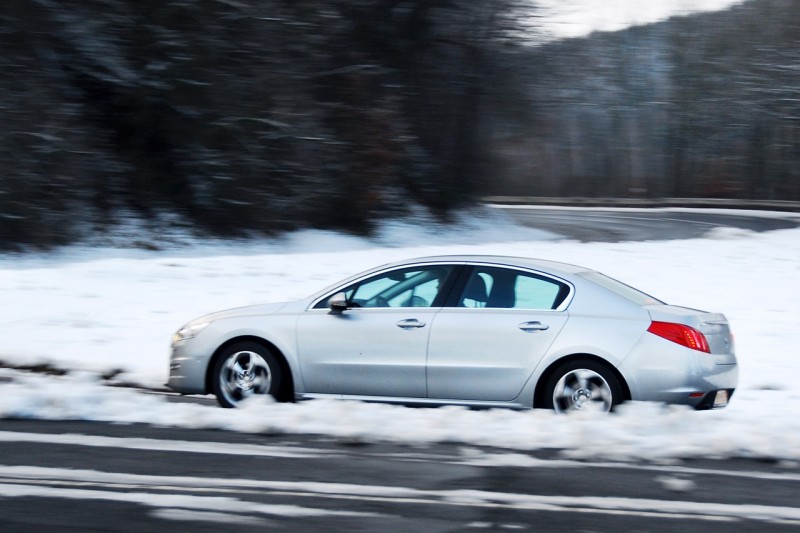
(705, 106)
(246, 118)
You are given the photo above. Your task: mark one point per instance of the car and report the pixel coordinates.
(470, 330)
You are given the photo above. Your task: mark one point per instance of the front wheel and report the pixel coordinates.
(243, 370)
(582, 385)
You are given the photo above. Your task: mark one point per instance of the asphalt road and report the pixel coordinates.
(79, 476)
(615, 225)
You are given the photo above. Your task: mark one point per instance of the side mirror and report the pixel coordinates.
(338, 303)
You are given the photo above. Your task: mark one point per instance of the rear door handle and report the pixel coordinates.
(534, 325)
(410, 323)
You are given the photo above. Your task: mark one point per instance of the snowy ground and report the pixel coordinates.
(96, 310)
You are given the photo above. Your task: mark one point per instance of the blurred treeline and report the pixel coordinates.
(257, 116)
(706, 106)
(238, 116)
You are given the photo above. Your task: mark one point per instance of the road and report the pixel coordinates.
(614, 225)
(80, 476)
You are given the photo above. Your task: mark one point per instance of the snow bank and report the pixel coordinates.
(85, 310)
(761, 427)
(82, 310)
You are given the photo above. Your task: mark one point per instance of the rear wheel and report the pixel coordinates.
(245, 369)
(582, 385)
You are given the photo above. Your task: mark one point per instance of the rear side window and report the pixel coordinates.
(626, 291)
(504, 288)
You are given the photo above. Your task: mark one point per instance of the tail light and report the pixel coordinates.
(683, 335)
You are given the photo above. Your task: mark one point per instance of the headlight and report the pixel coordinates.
(189, 331)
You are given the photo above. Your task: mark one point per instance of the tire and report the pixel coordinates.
(582, 385)
(245, 369)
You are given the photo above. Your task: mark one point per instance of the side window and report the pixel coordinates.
(494, 287)
(409, 287)
(536, 293)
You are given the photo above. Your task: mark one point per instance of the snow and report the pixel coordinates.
(578, 18)
(97, 310)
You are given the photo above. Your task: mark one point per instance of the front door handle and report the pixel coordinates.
(534, 325)
(410, 323)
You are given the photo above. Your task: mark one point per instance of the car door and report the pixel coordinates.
(487, 342)
(378, 345)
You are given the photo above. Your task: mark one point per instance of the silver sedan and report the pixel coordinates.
(477, 331)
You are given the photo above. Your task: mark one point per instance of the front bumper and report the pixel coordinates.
(187, 373)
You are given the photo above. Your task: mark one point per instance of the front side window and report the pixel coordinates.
(408, 287)
(503, 288)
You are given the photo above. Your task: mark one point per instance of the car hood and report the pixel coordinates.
(250, 310)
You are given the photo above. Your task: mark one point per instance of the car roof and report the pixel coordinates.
(552, 267)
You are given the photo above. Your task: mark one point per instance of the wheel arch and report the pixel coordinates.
(286, 393)
(538, 395)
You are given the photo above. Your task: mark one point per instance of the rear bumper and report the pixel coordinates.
(662, 371)
(715, 399)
